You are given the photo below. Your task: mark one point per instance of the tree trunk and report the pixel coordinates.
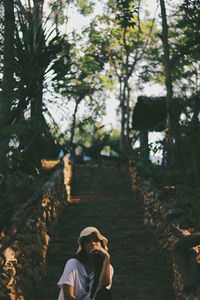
(36, 105)
(128, 119)
(74, 123)
(38, 10)
(168, 83)
(144, 145)
(37, 80)
(8, 81)
(125, 101)
(123, 111)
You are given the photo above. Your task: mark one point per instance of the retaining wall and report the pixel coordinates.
(23, 246)
(179, 244)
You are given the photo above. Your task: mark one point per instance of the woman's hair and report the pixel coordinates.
(97, 271)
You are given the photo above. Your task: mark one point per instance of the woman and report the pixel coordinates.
(89, 275)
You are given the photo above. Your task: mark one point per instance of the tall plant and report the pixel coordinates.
(36, 51)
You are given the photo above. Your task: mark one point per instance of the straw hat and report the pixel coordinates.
(88, 231)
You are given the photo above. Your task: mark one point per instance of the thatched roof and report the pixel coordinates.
(149, 114)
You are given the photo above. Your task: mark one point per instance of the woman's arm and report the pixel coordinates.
(68, 291)
(104, 279)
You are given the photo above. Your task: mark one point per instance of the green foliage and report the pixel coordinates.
(85, 6)
(34, 50)
(115, 43)
(83, 77)
(108, 82)
(91, 138)
(185, 67)
(82, 82)
(89, 65)
(186, 47)
(128, 39)
(114, 141)
(124, 11)
(57, 11)
(35, 53)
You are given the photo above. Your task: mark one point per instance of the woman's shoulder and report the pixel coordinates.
(72, 264)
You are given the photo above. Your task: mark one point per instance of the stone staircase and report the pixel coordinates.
(102, 197)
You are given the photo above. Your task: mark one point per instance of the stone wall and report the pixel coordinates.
(180, 245)
(24, 245)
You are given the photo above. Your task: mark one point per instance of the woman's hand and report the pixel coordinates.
(104, 279)
(100, 251)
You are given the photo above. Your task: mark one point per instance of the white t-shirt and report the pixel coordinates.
(75, 274)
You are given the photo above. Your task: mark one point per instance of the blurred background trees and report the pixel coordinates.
(122, 49)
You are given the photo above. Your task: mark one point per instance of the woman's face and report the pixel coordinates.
(91, 242)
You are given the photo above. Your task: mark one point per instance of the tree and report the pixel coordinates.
(82, 81)
(59, 8)
(128, 39)
(124, 19)
(8, 80)
(168, 83)
(37, 56)
(181, 31)
(37, 51)
(186, 48)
